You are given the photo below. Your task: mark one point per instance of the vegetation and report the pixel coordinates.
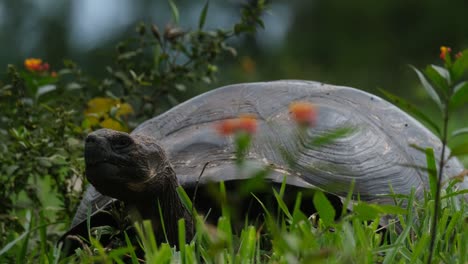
(45, 112)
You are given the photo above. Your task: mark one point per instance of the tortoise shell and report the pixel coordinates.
(377, 155)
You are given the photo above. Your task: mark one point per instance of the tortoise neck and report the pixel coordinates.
(172, 209)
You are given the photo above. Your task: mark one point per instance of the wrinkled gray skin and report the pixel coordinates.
(377, 155)
(135, 169)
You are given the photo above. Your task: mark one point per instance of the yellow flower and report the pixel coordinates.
(107, 113)
(444, 51)
(36, 65)
(33, 64)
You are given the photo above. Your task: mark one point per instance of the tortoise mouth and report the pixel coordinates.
(102, 173)
(95, 155)
(95, 162)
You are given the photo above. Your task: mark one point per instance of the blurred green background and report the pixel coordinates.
(363, 44)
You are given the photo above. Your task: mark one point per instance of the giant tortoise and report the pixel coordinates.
(145, 167)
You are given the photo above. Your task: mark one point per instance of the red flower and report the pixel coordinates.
(444, 51)
(458, 55)
(36, 65)
(304, 113)
(244, 123)
(226, 127)
(247, 123)
(33, 64)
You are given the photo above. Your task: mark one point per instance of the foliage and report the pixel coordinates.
(45, 113)
(447, 89)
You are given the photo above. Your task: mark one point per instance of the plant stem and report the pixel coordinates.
(439, 187)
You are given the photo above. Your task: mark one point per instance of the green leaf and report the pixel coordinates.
(45, 89)
(11, 169)
(390, 209)
(21, 255)
(180, 87)
(432, 170)
(433, 72)
(365, 211)
(242, 142)
(201, 21)
(460, 150)
(324, 208)
(128, 55)
(73, 86)
(429, 89)
(175, 12)
(461, 192)
(331, 136)
(460, 66)
(442, 72)
(459, 96)
(18, 239)
(411, 109)
(460, 132)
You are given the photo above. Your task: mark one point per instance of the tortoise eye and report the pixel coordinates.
(121, 142)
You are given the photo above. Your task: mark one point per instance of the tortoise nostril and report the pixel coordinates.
(90, 139)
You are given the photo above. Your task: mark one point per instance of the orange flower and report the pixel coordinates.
(227, 127)
(458, 55)
(33, 64)
(304, 113)
(248, 65)
(247, 123)
(444, 51)
(36, 65)
(244, 123)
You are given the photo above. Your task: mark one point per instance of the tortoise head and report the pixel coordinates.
(126, 167)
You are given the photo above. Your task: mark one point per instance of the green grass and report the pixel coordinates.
(286, 235)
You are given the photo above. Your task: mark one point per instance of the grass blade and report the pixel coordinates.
(133, 256)
(325, 209)
(184, 198)
(432, 171)
(282, 205)
(247, 248)
(161, 218)
(181, 227)
(331, 136)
